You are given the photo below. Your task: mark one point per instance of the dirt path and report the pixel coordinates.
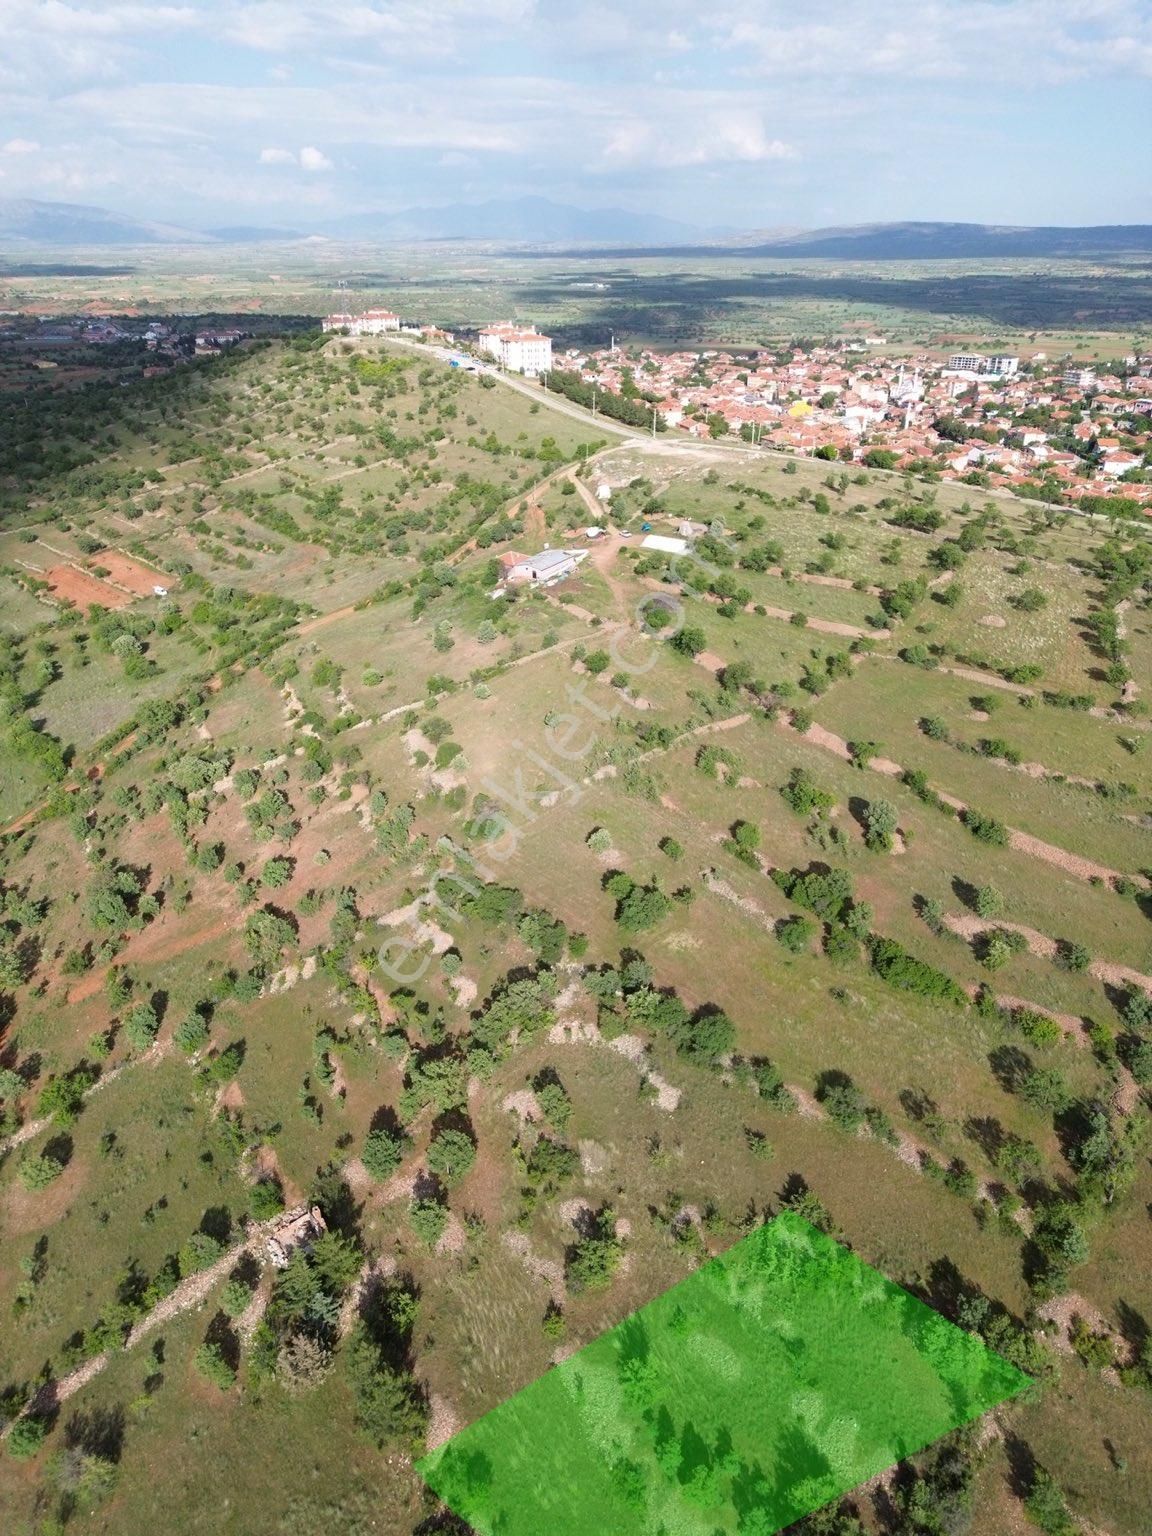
(326, 618)
(1023, 842)
(825, 626)
(721, 888)
(812, 579)
(33, 1128)
(156, 943)
(968, 926)
(188, 1294)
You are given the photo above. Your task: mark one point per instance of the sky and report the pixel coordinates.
(752, 115)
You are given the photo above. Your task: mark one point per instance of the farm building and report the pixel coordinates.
(664, 543)
(548, 566)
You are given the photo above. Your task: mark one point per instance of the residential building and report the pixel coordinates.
(1080, 378)
(520, 349)
(1000, 367)
(373, 322)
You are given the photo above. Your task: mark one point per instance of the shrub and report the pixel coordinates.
(643, 906)
(200, 1252)
(795, 934)
(880, 823)
(900, 969)
(266, 1200)
(597, 662)
(26, 1436)
(1097, 1350)
(428, 1219)
(1045, 1506)
(843, 1102)
(771, 1086)
(1071, 956)
(986, 829)
(383, 1153)
(63, 1097)
(599, 840)
(841, 946)
(210, 1361)
(191, 1035)
(140, 1027)
(236, 1299)
(744, 843)
(988, 902)
(999, 946)
(451, 1154)
(1037, 1028)
(670, 848)
(36, 1172)
(593, 1262)
(804, 795)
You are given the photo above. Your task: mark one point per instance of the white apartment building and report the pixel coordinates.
(1080, 378)
(520, 349)
(373, 322)
(997, 367)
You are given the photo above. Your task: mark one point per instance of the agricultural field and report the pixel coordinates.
(496, 953)
(1098, 307)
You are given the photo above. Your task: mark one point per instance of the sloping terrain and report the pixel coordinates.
(545, 942)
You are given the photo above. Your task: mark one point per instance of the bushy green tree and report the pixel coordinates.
(451, 1154)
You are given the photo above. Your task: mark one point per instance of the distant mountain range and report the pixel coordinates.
(539, 222)
(522, 221)
(932, 242)
(24, 221)
(519, 221)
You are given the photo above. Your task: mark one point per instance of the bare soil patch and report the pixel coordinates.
(69, 582)
(126, 572)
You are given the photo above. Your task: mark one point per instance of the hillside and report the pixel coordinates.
(953, 242)
(27, 221)
(546, 943)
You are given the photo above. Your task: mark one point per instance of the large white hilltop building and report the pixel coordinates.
(520, 349)
(373, 322)
(990, 367)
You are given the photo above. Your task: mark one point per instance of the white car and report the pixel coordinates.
(625, 533)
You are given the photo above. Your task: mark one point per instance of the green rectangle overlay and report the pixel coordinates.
(771, 1381)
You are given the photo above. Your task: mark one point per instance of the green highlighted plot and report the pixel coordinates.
(768, 1383)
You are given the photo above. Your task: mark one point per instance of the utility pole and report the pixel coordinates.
(654, 421)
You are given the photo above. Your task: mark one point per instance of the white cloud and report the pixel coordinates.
(435, 27)
(309, 158)
(347, 102)
(716, 140)
(1023, 42)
